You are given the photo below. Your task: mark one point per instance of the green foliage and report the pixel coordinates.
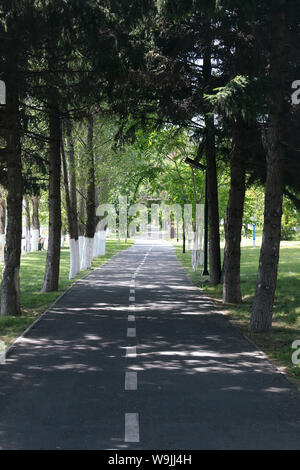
(290, 221)
(277, 344)
(238, 98)
(254, 206)
(150, 169)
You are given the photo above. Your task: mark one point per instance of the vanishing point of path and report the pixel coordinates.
(133, 356)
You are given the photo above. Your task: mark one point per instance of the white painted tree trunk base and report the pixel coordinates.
(96, 245)
(46, 243)
(35, 240)
(87, 253)
(99, 243)
(80, 244)
(28, 242)
(102, 242)
(74, 258)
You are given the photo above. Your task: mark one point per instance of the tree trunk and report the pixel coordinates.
(35, 213)
(53, 256)
(90, 200)
(90, 203)
(233, 224)
(28, 224)
(72, 181)
(10, 289)
(2, 214)
(81, 226)
(81, 216)
(212, 183)
(71, 200)
(262, 312)
(2, 225)
(35, 223)
(183, 214)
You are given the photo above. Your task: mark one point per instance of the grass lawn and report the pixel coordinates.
(277, 344)
(33, 301)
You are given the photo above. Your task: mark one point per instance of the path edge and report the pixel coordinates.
(10, 348)
(276, 367)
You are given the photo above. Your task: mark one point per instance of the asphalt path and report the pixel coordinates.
(133, 356)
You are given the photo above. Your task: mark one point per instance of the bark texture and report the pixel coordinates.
(73, 217)
(35, 223)
(81, 217)
(233, 224)
(212, 184)
(91, 194)
(28, 224)
(54, 238)
(10, 288)
(262, 312)
(71, 200)
(2, 214)
(35, 213)
(90, 226)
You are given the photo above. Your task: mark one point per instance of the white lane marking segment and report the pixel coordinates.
(131, 381)
(131, 332)
(131, 351)
(132, 298)
(131, 317)
(132, 432)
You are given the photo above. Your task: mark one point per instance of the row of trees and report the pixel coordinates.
(58, 60)
(218, 72)
(225, 70)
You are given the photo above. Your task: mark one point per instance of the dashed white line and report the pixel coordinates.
(131, 381)
(131, 351)
(131, 332)
(132, 431)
